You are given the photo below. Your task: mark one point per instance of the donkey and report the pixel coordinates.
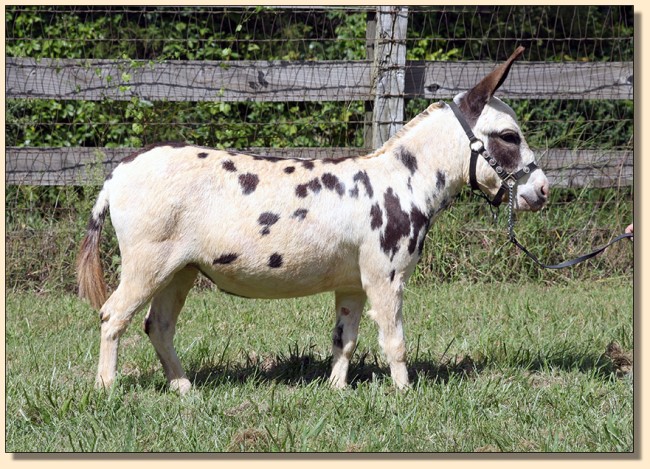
(265, 227)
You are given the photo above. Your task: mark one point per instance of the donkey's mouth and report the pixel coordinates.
(531, 204)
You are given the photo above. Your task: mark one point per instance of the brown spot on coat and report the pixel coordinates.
(229, 166)
(300, 214)
(248, 182)
(441, 180)
(314, 185)
(376, 217)
(408, 159)
(268, 159)
(362, 177)
(289, 169)
(202, 155)
(225, 259)
(275, 261)
(332, 183)
(267, 219)
(398, 224)
(419, 221)
(335, 160)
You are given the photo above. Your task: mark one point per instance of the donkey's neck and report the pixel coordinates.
(433, 150)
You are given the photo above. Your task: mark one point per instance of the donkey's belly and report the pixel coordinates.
(282, 278)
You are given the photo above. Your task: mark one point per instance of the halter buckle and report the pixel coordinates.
(510, 180)
(476, 145)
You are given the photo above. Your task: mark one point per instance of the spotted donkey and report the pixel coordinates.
(263, 227)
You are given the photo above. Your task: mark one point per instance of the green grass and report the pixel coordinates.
(495, 367)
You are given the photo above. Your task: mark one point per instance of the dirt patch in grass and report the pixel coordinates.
(353, 448)
(238, 410)
(250, 439)
(622, 362)
(487, 449)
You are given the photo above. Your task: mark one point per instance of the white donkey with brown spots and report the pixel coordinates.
(263, 227)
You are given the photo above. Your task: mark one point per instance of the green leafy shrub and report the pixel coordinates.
(45, 224)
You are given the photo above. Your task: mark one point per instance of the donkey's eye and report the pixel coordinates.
(510, 137)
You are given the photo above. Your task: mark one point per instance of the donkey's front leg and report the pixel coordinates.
(349, 307)
(386, 310)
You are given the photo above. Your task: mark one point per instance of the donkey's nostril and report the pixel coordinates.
(544, 189)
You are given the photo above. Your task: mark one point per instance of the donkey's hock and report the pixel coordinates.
(264, 227)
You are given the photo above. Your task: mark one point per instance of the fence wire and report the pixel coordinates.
(583, 133)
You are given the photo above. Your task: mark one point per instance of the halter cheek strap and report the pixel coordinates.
(508, 180)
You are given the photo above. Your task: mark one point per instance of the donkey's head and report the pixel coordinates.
(494, 123)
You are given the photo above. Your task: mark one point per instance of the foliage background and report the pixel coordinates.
(44, 224)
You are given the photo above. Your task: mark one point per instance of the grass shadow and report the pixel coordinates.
(301, 367)
(304, 367)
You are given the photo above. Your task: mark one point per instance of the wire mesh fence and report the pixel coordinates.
(87, 84)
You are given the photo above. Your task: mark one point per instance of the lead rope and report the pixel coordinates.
(511, 211)
(510, 181)
(562, 265)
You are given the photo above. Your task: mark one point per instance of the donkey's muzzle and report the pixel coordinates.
(533, 195)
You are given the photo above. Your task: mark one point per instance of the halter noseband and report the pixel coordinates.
(508, 180)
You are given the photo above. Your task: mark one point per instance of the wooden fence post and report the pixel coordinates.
(389, 69)
(371, 27)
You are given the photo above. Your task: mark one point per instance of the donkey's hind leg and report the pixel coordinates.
(139, 281)
(116, 314)
(160, 326)
(349, 307)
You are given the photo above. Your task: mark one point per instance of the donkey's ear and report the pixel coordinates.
(475, 100)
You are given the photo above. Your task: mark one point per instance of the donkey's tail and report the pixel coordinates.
(90, 275)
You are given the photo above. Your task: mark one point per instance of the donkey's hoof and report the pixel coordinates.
(400, 376)
(181, 385)
(337, 383)
(403, 386)
(103, 383)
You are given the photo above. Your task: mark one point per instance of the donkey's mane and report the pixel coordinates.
(390, 143)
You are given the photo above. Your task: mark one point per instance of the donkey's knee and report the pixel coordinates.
(391, 338)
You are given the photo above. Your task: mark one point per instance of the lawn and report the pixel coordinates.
(495, 367)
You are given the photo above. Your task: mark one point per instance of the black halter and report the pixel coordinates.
(508, 183)
(508, 180)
